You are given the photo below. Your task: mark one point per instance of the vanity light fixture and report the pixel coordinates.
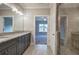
(16, 10)
(20, 13)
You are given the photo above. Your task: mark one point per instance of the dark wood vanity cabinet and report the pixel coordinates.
(20, 45)
(12, 50)
(15, 46)
(4, 52)
(8, 47)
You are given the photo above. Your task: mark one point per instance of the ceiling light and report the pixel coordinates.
(14, 9)
(19, 12)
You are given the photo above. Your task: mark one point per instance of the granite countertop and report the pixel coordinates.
(10, 36)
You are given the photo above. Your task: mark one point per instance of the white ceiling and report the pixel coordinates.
(40, 5)
(3, 6)
(69, 5)
(47, 5)
(34, 5)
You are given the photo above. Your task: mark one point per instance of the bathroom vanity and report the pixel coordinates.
(14, 43)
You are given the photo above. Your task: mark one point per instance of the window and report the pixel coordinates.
(42, 27)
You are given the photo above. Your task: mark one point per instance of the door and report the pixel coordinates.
(7, 24)
(41, 29)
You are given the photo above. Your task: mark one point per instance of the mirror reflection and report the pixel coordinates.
(10, 18)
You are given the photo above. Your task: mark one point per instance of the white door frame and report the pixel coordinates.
(66, 36)
(12, 21)
(35, 27)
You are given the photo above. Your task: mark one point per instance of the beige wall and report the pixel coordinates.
(7, 12)
(52, 36)
(1, 24)
(18, 21)
(73, 22)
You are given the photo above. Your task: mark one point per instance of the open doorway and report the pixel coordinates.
(41, 27)
(63, 33)
(63, 23)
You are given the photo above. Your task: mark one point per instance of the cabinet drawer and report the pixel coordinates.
(4, 52)
(4, 45)
(12, 50)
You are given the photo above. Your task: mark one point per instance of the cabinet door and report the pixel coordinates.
(29, 39)
(5, 47)
(26, 41)
(4, 52)
(23, 43)
(0, 53)
(12, 49)
(20, 45)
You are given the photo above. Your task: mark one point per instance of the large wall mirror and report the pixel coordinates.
(10, 21)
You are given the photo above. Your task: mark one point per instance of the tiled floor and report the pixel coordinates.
(67, 51)
(41, 39)
(38, 50)
(45, 50)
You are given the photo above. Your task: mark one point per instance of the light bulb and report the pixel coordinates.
(20, 13)
(14, 9)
